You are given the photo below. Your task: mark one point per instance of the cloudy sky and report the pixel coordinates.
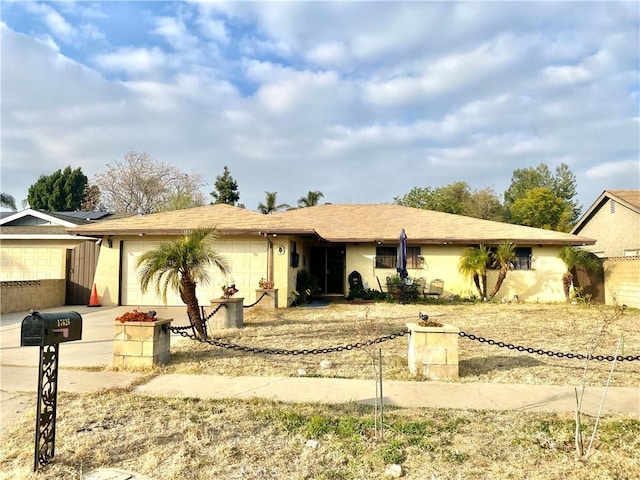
(360, 100)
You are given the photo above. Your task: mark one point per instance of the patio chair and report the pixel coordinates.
(436, 287)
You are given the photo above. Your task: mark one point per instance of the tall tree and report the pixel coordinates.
(61, 191)
(312, 198)
(473, 263)
(7, 200)
(226, 189)
(565, 186)
(180, 265)
(180, 201)
(562, 185)
(575, 257)
(541, 208)
(457, 198)
(90, 199)
(502, 259)
(485, 204)
(138, 183)
(271, 204)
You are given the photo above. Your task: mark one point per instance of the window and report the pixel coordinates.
(523, 259)
(386, 257)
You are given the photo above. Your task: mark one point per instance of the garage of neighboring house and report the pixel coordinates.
(42, 265)
(247, 259)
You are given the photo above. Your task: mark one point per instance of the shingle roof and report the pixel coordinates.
(383, 222)
(33, 230)
(632, 197)
(336, 223)
(228, 220)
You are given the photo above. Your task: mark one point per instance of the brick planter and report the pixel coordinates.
(141, 344)
(230, 314)
(270, 299)
(433, 351)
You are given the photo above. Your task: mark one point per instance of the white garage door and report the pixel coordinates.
(247, 260)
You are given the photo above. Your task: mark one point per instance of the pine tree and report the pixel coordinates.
(226, 189)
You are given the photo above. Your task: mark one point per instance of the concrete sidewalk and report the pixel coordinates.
(475, 396)
(19, 379)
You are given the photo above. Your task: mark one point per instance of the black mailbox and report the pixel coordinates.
(40, 329)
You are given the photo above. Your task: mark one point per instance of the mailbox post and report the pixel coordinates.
(48, 330)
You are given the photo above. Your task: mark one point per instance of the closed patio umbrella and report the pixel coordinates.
(401, 265)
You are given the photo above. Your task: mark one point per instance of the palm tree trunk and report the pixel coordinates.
(567, 281)
(501, 276)
(484, 286)
(476, 280)
(188, 296)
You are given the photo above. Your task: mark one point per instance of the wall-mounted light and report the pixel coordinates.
(109, 242)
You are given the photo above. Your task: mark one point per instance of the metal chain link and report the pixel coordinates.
(577, 356)
(182, 331)
(212, 313)
(264, 294)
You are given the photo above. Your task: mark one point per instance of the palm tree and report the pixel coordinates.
(575, 257)
(271, 205)
(181, 265)
(311, 199)
(7, 200)
(473, 263)
(503, 257)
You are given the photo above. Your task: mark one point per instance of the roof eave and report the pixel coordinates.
(466, 241)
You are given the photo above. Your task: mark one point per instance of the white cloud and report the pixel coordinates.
(174, 31)
(610, 171)
(58, 26)
(133, 61)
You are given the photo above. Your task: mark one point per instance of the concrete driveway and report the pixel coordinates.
(94, 350)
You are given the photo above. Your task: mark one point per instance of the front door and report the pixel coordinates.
(327, 265)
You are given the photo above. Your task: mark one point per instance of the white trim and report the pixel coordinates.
(37, 214)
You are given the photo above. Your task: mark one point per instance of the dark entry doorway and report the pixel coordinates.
(327, 265)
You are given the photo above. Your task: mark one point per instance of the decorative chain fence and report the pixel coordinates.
(577, 356)
(187, 332)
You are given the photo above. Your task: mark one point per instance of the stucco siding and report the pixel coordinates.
(615, 231)
(543, 283)
(247, 257)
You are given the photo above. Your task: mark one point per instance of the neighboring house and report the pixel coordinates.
(330, 242)
(37, 253)
(614, 221)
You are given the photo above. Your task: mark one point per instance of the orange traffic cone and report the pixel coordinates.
(93, 300)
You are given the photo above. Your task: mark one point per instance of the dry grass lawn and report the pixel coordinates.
(177, 439)
(557, 328)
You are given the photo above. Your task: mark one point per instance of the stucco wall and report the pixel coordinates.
(22, 296)
(541, 284)
(108, 277)
(622, 281)
(284, 276)
(615, 232)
